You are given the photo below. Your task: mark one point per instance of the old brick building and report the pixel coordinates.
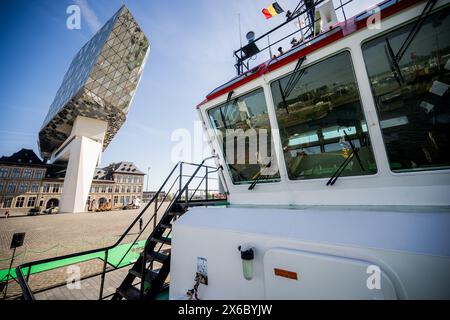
(27, 182)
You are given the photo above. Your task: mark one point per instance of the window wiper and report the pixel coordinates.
(295, 77)
(415, 30)
(283, 98)
(259, 177)
(396, 58)
(395, 67)
(240, 176)
(340, 170)
(225, 107)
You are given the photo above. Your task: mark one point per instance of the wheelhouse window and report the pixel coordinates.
(34, 187)
(411, 93)
(243, 128)
(315, 108)
(7, 202)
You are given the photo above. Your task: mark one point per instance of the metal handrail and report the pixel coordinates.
(150, 220)
(26, 290)
(241, 57)
(176, 198)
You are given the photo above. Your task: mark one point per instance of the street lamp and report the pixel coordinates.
(148, 176)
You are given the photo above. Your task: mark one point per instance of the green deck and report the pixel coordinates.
(114, 257)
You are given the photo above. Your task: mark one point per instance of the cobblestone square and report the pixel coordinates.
(60, 234)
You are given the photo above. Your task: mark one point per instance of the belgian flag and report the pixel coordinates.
(272, 11)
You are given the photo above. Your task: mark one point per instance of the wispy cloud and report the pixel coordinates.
(89, 15)
(17, 133)
(149, 130)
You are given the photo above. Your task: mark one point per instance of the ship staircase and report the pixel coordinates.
(187, 185)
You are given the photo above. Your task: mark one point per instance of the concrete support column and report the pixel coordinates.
(83, 152)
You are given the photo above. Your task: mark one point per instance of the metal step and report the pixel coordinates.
(162, 240)
(178, 207)
(155, 256)
(150, 275)
(202, 203)
(130, 293)
(166, 225)
(175, 213)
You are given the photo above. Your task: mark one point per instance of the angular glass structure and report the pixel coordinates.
(100, 82)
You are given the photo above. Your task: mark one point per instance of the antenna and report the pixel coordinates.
(240, 32)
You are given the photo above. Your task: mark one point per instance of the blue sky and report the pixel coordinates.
(192, 43)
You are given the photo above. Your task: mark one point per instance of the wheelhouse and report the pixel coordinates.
(375, 97)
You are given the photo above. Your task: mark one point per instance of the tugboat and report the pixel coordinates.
(356, 202)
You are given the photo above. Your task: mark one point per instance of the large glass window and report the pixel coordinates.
(15, 173)
(242, 125)
(412, 96)
(314, 108)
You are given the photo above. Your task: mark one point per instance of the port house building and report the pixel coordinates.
(27, 182)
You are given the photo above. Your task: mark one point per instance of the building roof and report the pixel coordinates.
(106, 173)
(55, 171)
(24, 156)
(126, 167)
(58, 171)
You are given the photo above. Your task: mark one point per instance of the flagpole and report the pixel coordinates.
(270, 48)
(240, 32)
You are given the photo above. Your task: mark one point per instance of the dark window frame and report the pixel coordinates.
(362, 106)
(230, 174)
(384, 33)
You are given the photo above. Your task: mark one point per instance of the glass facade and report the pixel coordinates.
(322, 104)
(100, 82)
(412, 97)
